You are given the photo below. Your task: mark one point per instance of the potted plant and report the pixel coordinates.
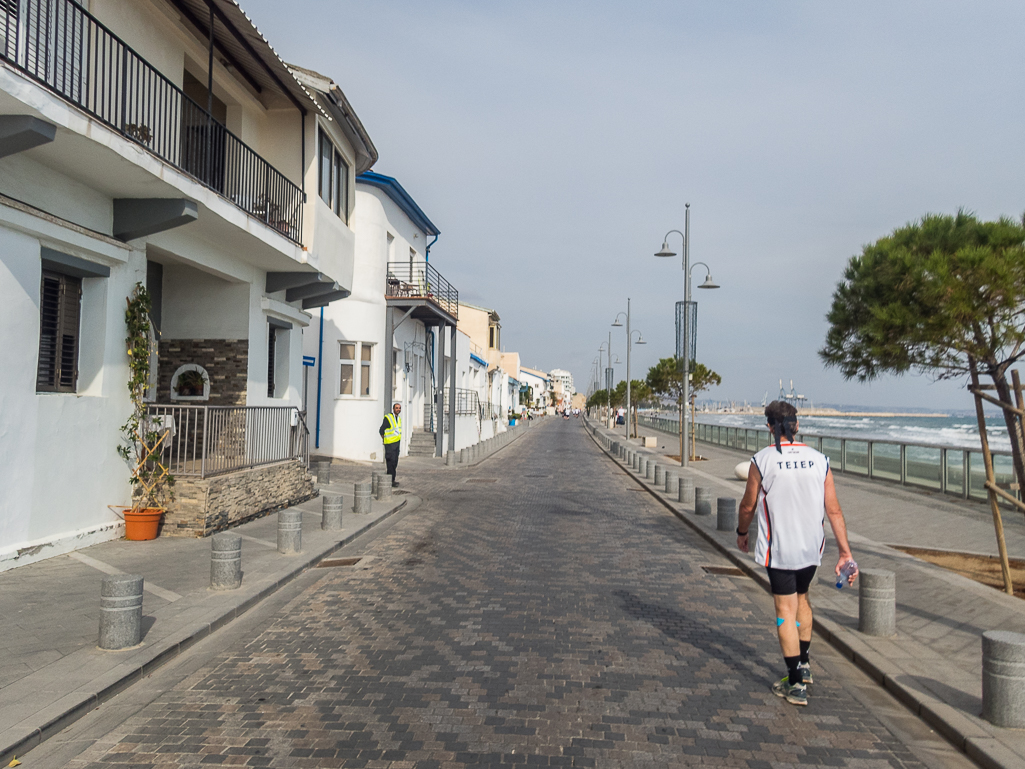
(142, 438)
(190, 384)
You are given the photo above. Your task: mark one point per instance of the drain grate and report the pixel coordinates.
(724, 571)
(535, 476)
(329, 563)
(481, 480)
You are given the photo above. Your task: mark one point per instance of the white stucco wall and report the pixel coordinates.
(58, 465)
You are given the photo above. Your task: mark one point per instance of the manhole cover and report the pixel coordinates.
(481, 480)
(725, 571)
(329, 563)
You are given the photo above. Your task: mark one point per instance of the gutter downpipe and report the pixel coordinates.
(427, 251)
(320, 374)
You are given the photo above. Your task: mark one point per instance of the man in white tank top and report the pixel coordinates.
(790, 489)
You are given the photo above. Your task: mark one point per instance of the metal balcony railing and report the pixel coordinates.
(419, 280)
(62, 46)
(203, 441)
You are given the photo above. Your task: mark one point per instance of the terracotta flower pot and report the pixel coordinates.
(142, 524)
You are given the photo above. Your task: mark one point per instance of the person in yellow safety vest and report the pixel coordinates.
(391, 433)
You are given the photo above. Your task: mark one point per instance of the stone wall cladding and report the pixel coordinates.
(225, 360)
(206, 506)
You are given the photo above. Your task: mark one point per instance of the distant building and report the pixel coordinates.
(562, 382)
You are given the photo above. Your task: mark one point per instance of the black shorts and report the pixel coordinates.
(787, 582)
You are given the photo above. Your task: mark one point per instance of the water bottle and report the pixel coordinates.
(845, 572)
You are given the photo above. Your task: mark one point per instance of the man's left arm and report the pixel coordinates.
(839, 526)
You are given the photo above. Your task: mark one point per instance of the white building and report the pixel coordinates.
(539, 384)
(361, 372)
(226, 192)
(562, 384)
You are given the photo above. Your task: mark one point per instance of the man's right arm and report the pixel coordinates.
(384, 426)
(837, 523)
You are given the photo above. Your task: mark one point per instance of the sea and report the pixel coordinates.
(959, 429)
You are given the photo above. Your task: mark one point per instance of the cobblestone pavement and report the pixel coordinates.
(537, 610)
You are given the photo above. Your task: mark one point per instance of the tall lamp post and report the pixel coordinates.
(629, 345)
(665, 251)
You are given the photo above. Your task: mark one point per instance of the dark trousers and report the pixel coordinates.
(391, 458)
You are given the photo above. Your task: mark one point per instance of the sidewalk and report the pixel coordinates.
(934, 663)
(51, 671)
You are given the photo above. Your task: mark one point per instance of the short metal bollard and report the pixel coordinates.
(659, 475)
(702, 501)
(686, 489)
(672, 482)
(331, 513)
(361, 497)
(726, 514)
(450, 458)
(225, 561)
(322, 469)
(1003, 678)
(384, 488)
(464, 456)
(290, 531)
(120, 611)
(877, 602)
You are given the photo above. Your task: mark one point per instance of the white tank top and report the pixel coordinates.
(791, 506)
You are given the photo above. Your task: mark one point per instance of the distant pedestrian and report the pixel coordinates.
(790, 484)
(391, 433)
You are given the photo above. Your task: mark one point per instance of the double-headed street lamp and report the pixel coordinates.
(685, 330)
(629, 344)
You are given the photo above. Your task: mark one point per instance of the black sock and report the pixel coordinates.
(805, 645)
(796, 677)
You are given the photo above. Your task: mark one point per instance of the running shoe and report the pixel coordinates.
(805, 669)
(796, 694)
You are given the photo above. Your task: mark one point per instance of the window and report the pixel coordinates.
(60, 307)
(349, 354)
(494, 333)
(272, 337)
(333, 184)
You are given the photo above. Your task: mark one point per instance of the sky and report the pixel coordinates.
(555, 143)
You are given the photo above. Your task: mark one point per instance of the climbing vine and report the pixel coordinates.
(142, 438)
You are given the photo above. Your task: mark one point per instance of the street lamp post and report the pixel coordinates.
(709, 283)
(629, 345)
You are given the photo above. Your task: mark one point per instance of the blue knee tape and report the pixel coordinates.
(779, 621)
(798, 623)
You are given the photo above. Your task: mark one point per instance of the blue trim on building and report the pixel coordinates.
(479, 359)
(391, 187)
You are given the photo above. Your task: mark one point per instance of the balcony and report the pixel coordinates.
(419, 287)
(61, 46)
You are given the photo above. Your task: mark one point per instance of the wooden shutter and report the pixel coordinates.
(60, 305)
(271, 354)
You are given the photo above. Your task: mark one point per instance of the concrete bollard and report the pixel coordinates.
(464, 456)
(361, 497)
(672, 482)
(686, 489)
(120, 611)
(384, 489)
(1003, 678)
(331, 512)
(642, 466)
(726, 514)
(290, 531)
(450, 458)
(225, 561)
(375, 481)
(649, 470)
(877, 604)
(659, 476)
(702, 501)
(322, 469)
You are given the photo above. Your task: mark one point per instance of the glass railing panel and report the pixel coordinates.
(924, 466)
(831, 448)
(752, 441)
(1003, 473)
(856, 460)
(976, 475)
(955, 472)
(885, 460)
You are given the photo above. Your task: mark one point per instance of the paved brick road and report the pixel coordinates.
(552, 617)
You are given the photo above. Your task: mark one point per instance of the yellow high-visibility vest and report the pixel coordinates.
(393, 433)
